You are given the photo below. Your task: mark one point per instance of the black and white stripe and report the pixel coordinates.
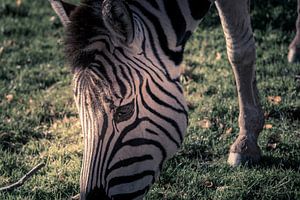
(131, 106)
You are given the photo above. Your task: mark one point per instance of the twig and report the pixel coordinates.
(76, 197)
(23, 179)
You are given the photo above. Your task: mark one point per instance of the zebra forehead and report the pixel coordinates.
(96, 90)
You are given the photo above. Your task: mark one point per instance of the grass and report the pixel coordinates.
(39, 122)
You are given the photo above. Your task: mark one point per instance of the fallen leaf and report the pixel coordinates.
(228, 131)
(218, 56)
(273, 141)
(52, 19)
(31, 101)
(18, 3)
(27, 111)
(205, 123)
(9, 43)
(7, 120)
(208, 184)
(271, 146)
(1, 50)
(9, 98)
(274, 99)
(54, 125)
(59, 41)
(221, 125)
(268, 126)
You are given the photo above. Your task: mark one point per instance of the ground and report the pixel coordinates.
(39, 121)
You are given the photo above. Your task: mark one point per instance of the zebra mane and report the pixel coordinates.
(94, 18)
(86, 23)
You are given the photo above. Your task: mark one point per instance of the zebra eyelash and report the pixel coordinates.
(124, 112)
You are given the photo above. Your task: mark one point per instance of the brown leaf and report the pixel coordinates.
(9, 98)
(7, 120)
(268, 126)
(1, 50)
(273, 141)
(221, 125)
(228, 131)
(271, 146)
(208, 184)
(9, 43)
(218, 56)
(52, 19)
(18, 3)
(274, 99)
(205, 123)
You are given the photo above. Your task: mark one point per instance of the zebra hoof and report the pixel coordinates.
(236, 159)
(244, 151)
(294, 55)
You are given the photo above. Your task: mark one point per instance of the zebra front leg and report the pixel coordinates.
(235, 19)
(294, 48)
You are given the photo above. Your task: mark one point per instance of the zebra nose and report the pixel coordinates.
(97, 193)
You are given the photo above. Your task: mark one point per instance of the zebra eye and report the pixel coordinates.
(124, 112)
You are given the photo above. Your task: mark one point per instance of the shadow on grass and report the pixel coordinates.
(32, 127)
(13, 142)
(9, 9)
(274, 14)
(283, 163)
(291, 113)
(196, 151)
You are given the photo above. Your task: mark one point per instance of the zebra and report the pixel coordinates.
(294, 47)
(125, 57)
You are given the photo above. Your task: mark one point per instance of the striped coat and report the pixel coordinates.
(125, 57)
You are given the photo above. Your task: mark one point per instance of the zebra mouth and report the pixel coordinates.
(97, 193)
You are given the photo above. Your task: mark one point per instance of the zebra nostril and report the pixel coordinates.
(97, 193)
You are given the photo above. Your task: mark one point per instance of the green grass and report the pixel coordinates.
(39, 122)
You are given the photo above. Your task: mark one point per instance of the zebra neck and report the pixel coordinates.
(168, 25)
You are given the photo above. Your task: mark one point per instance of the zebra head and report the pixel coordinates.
(132, 111)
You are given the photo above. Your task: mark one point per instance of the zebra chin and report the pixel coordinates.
(97, 193)
(124, 174)
(121, 185)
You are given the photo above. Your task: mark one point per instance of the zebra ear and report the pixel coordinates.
(63, 10)
(118, 19)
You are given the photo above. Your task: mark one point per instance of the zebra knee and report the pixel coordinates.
(242, 56)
